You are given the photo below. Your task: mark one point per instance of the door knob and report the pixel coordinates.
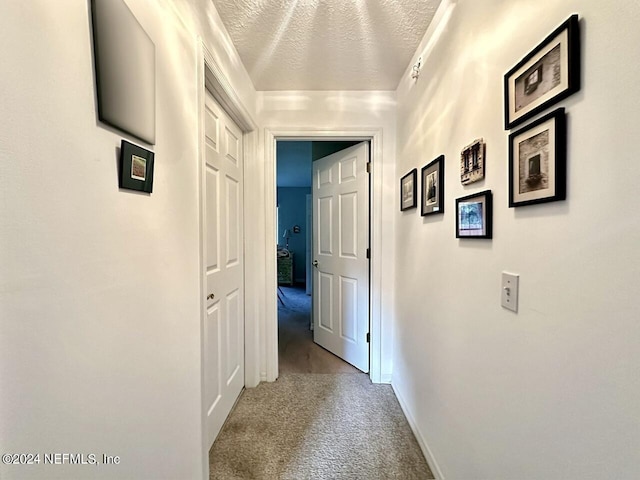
(211, 296)
(315, 263)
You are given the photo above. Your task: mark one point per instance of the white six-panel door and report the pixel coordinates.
(340, 189)
(224, 266)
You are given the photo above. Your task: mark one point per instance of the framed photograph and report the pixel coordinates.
(537, 161)
(548, 74)
(433, 187)
(472, 162)
(408, 190)
(136, 167)
(474, 215)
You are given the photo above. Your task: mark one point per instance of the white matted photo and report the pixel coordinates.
(408, 190)
(537, 161)
(549, 73)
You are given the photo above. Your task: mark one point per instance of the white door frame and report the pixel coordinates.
(374, 135)
(211, 77)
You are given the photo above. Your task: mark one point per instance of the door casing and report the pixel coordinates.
(211, 77)
(374, 136)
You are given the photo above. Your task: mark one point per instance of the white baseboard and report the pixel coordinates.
(428, 455)
(385, 378)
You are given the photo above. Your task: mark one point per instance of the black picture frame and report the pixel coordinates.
(538, 161)
(136, 167)
(546, 75)
(409, 190)
(432, 198)
(474, 215)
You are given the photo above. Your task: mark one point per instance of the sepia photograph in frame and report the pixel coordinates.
(432, 198)
(474, 215)
(408, 190)
(472, 162)
(537, 161)
(548, 74)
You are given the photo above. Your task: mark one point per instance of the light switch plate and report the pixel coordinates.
(510, 291)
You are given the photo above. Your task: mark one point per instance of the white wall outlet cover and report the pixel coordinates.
(510, 291)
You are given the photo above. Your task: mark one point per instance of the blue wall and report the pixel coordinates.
(293, 211)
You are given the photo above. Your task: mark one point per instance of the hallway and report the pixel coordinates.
(322, 419)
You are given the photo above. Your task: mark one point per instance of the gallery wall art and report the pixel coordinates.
(432, 198)
(408, 190)
(546, 75)
(472, 162)
(474, 215)
(537, 161)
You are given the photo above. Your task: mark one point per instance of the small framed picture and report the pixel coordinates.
(433, 187)
(537, 161)
(136, 167)
(408, 190)
(548, 74)
(472, 162)
(474, 215)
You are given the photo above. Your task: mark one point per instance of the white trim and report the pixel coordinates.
(385, 378)
(211, 77)
(373, 134)
(218, 84)
(424, 446)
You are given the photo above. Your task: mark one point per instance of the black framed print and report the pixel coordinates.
(537, 161)
(474, 215)
(136, 167)
(548, 74)
(432, 198)
(408, 190)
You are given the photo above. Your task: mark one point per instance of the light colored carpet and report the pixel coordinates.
(317, 426)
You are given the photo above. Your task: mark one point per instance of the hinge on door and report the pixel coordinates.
(368, 337)
(368, 253)
(368, 167)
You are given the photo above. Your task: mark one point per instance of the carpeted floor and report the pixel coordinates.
(317, 426)
(296, 351)
(322, 419)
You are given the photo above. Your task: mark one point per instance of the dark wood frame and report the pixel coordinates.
(557, 121)
(438, 163)
(414, 174)
(127, 151)
(572, 67)
(488, 214)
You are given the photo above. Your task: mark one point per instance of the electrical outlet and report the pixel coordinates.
(510, 291)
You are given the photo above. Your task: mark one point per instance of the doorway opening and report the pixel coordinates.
(322, 261)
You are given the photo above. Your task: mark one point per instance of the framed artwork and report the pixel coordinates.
(548, 74)
(474, 215)
(136, 167)
(408, 190)
(125, 70)
(433, 187)
(537, 161)
(472, 162)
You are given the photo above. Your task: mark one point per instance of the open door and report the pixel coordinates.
(340, 189)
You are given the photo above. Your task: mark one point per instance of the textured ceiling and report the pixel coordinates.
(326, 44)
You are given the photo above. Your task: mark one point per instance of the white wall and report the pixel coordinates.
(316, 110)
(551, 392)
(99, 288)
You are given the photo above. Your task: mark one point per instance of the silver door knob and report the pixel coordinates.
(315, 263)
(211, 296)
